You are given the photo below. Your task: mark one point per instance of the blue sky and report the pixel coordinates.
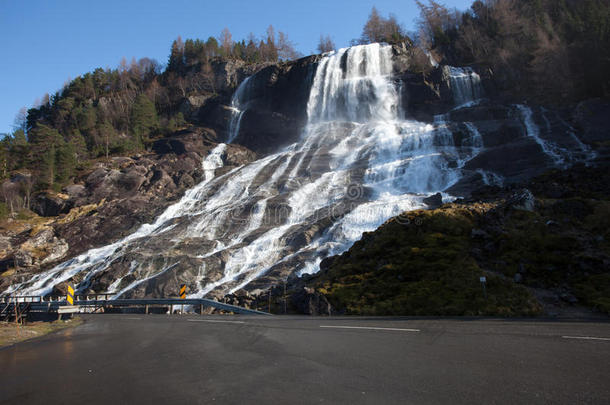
(44, 43)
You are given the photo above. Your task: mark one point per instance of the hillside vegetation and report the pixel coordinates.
(122, 111)
(551, 254)
(549, 51)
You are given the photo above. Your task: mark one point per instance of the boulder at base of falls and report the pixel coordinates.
(434, 201)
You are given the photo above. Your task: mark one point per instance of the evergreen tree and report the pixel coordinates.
(46, 175)
(19, 150)
(86, 119)
(176, 57)
(65, 162)
(4, 155)
(79, 143)
(212, 47)
(45, 142)
(144, 120)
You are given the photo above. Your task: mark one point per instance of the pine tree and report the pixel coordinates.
(45, 142)
(47, 168)
(144, 119)
(65, 162)
(211, 46)
(176, 57)
(19, 150)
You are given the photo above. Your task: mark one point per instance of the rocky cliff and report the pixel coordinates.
(108, 202)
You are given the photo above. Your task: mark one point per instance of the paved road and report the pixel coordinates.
(279, 360)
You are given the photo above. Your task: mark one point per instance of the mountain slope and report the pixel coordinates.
(543, 253)
(343, 142)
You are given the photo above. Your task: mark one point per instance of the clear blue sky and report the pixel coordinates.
(43, 43)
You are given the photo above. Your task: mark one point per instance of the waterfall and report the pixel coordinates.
(352, 84)
(532, 130)
(238, 108)
(490, 178)
(465, 85)
(96, 260)
(357, 164)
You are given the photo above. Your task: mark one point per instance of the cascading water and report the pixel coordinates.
(465, 85)
(238, 108)
(561, 156)
(356, 165)
(96, 260)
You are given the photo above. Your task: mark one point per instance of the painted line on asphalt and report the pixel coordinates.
(586, 337)
(212, 321)
(134, 319)
(369, 328)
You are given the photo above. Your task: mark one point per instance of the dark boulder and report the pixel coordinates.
(434, 201)
(50, 205)
(308, 301)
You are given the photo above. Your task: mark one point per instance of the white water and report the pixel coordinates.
(561, 156)
(96, 260)
(465, 85)
(357, 164)
(238, 107)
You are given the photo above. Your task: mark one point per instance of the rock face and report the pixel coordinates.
(50, 205)
(308, 301)
(27, 249)
(276, 105)
(113, 200)
(132, 191)
(434, 201)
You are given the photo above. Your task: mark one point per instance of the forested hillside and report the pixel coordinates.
(114, 112)
(550, 51)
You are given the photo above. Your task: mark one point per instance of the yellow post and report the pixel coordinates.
(182, 296)
(70, 296)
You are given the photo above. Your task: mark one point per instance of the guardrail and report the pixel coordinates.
(52, 303)
(53, 298)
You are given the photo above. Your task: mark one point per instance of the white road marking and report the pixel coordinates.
(586, 337)
(214, 321)
(135, 319)
(370, 328)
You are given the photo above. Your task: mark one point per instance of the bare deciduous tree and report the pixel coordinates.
(226, 41)
(380, 29)
(372, 31)
(21, 119)
(285, 48)
(326, 44)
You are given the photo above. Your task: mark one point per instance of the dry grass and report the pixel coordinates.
(25, 223)
(11, 333)
(81, 211)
